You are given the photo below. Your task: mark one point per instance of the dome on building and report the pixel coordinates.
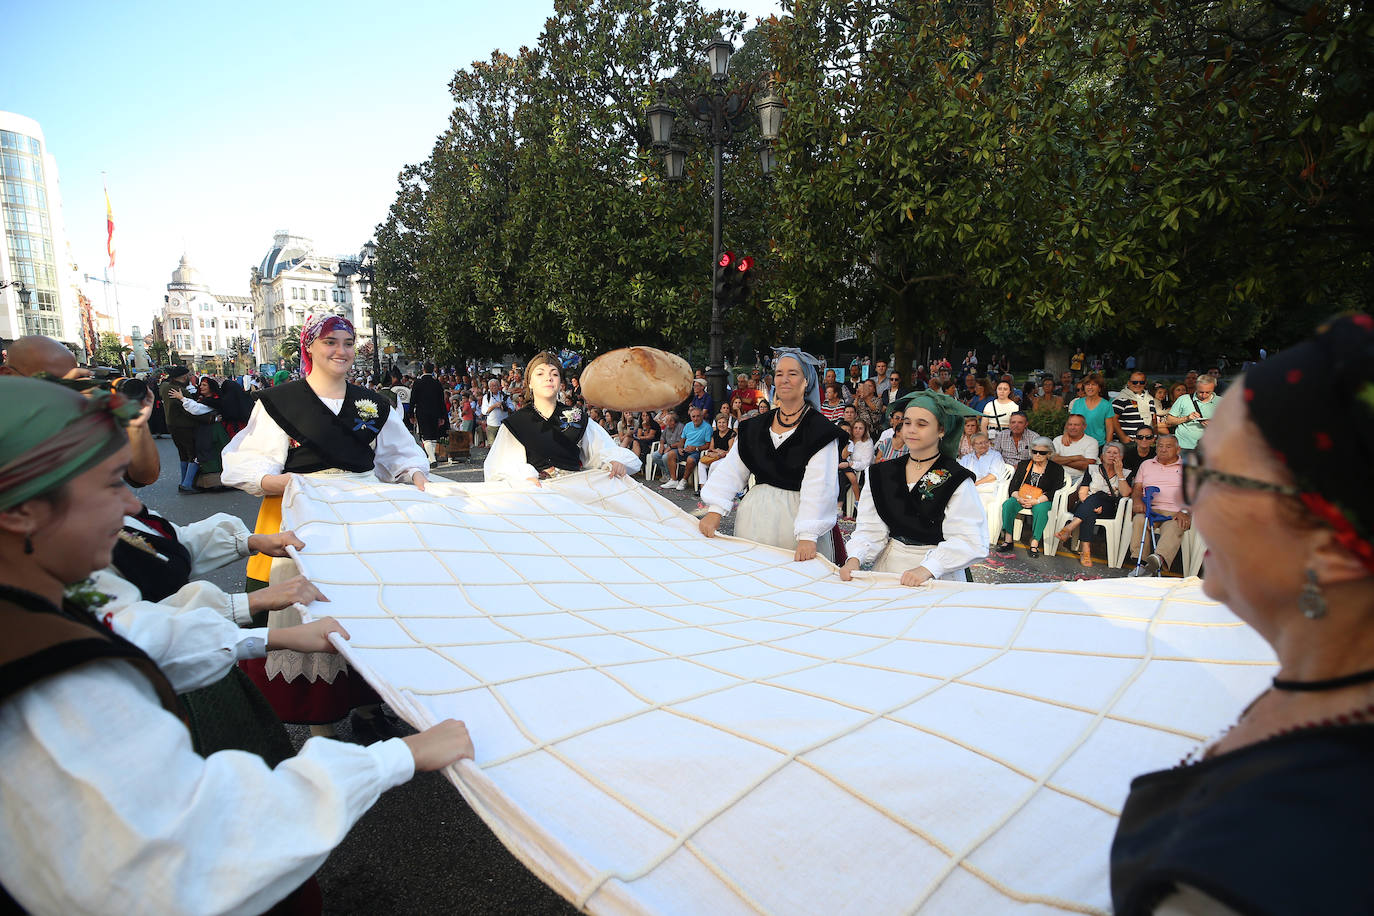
(287, 251)
(186, 276)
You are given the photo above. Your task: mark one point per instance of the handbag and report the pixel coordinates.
(1029, 492)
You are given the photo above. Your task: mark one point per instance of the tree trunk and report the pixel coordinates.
(1057, 358)
(903, 337)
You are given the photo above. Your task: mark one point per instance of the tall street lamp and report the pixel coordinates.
(365, 270)
(717, 114)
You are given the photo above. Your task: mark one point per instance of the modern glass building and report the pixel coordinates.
(31, 237)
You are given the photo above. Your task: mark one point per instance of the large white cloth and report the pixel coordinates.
(105, 807)
(965, 529)
(506, 460)
(815, 508)
(260, 450)
(673, 724)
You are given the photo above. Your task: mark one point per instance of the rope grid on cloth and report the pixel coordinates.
(484, 581)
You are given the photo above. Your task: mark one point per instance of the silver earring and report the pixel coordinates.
(1311, 601)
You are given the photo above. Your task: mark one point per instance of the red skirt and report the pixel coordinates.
(302, 701)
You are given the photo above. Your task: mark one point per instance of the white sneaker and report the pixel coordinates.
(669, 484)
(681, 484)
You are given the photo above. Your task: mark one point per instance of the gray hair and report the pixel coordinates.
(1209, 379)
(1162, 436)
(1121, 452)
(976, 436)
(1045, 441)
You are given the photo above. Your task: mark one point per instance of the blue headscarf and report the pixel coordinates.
(809, 364)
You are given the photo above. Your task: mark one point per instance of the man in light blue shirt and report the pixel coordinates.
(696, 437)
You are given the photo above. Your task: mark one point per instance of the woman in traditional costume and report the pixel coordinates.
(545, 438)
(921, 516)
(793, 453)
(105, 807)
(320, 424)
(1274, 816)
(155, 568)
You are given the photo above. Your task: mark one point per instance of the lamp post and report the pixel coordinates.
(365, 270)
(716, 114)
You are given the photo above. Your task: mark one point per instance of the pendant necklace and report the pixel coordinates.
(782, 417)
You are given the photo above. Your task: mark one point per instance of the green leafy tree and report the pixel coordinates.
(159, 352)
(110, 351)
(290, 348)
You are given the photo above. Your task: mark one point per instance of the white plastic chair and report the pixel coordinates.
(994, 506)
(1117, 531)
(654, 449)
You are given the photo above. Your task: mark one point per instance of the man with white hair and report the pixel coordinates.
(1190, 413)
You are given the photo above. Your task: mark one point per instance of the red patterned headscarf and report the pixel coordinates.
(316, 328)
(1314, 406)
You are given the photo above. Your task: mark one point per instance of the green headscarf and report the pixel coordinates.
(949, 412)
(50, 434)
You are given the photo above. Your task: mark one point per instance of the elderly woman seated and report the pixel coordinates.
(988, 467)
(1274, 815)
(1099, 492)
(1032, 487)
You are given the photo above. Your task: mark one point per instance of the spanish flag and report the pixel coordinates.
(109, 227)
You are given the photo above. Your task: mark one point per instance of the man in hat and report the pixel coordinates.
(182, 424)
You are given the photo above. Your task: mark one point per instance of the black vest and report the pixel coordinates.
(911, 517)
(1285, 826)
(784, 467)
(322, 440)
(551, 443)
(157, 564)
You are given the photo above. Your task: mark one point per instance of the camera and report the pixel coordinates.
(135, 389)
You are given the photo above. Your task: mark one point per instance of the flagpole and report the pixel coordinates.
(110, 272)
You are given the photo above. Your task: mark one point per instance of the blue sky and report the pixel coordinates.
(217, 124)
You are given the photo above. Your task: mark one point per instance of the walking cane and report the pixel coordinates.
(1154, 562)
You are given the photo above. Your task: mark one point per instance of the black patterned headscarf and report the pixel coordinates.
(1314, 406)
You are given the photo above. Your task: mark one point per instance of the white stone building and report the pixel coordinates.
(200, 325)
(33, 243)
(294, 283)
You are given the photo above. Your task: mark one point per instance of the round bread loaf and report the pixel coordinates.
(636, 378)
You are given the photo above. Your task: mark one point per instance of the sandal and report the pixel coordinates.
(1034, 550)
(1064, 534)
(1085, 560)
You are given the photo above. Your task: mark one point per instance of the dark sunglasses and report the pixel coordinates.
(1145, 438)
(1136, 382)
(1038, 452)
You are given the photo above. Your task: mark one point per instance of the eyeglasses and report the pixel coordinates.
(1194, 474)
(1036, 451)
(1136, 381)
(1144, 438)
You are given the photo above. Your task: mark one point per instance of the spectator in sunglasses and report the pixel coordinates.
(1135, 409)
(1142, 449)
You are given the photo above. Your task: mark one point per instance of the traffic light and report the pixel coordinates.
(725, 269)
(741, 281)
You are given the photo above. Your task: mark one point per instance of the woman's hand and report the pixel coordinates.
(274, 484)
(274, 545)
(709, 523)
(617, 469)
(1083, 492)
(296, 590)
(806, 550)
(419, 479)
(440, 745)
(308, 637)
(847, 570)
(914, 577)
(176, 392)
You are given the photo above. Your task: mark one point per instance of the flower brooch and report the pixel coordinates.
(932, 479)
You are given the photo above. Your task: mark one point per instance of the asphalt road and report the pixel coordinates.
(421, 849)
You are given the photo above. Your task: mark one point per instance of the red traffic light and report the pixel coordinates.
(746, 264)
(727, 258)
